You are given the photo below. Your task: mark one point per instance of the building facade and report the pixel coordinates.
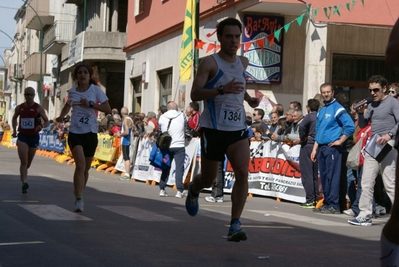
(292, 47)
(57, 35)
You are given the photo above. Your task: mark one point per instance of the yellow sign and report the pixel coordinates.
(188, 37)
(105, 151)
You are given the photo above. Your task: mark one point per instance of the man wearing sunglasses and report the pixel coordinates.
(30, 124)
(383, 113)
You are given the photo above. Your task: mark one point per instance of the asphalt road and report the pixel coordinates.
(127, 224)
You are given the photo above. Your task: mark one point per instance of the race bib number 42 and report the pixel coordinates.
(231, 114)
(84, 120)
(27, 123)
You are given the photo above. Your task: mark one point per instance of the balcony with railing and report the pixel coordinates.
(42, 7)
(32, 67)
(60, 33)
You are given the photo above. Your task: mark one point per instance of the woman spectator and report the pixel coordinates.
(257, 129)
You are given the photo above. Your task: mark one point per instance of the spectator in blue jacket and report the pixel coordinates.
(333, 126)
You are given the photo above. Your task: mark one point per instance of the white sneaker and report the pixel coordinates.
(79, 205)
(380, 210)
(349, 212)
(214, 199)
(125, 177)
(163, 193)
(180, 194)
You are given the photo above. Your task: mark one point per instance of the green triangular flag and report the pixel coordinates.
(307, 10)
(362, 2)
(353, 3)
(326, 12)
(348, 6)
(287, 26)
(300, 19)
(336, 10)
(277, 34)
(315, 12)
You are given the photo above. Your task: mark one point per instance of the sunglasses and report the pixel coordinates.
(392, 92)
(374, 90)
(29, 94)
(253, 114)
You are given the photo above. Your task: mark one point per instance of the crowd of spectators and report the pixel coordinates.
(277, 126)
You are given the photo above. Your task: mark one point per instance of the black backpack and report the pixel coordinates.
(165, 139)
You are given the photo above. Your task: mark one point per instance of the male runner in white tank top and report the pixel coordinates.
(220, 83)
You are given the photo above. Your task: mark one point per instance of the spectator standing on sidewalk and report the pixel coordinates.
(383, 114)
(177, 151)
(126, 134)
(333, 126)
(217, 186)
(30, 116)
(193, 120)
(220, 83)
(309, 169)
(85, 100)
(1, 128)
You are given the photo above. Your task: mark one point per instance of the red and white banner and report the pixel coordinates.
(273, 168)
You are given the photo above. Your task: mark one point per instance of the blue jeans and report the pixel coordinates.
(351, 176)
(178, 154)
(355, 203)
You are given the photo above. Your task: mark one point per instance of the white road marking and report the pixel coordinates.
(20, 201)
(300, 218)
(21, 243)
(139, 214)
(53, 212)
(224, 216)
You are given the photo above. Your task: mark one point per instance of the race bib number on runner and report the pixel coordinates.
(230, 115)
(27, 123)
(83, 120)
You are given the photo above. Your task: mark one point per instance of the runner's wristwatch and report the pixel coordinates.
(390, 134)
(91, 104)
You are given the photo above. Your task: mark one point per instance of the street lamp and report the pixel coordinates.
(39, 89)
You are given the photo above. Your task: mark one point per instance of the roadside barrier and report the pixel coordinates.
(273, 167)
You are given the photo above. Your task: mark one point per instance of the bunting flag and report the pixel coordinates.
(309, 11)
(188, 37)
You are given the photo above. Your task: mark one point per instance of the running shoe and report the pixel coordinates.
(360, 221)
(320, 209)
(79, 205)
(214, 199)
(349, 212)
(25, 187)
(180, 194)
(191, 202)
(308, 205)
(125, 177)
(380, 210)
(162, 193)
(331, 210)
(236, 233)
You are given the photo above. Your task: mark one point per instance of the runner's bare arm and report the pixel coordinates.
(206, 71)
(64, 111)
(14, 121)
(42, 113)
